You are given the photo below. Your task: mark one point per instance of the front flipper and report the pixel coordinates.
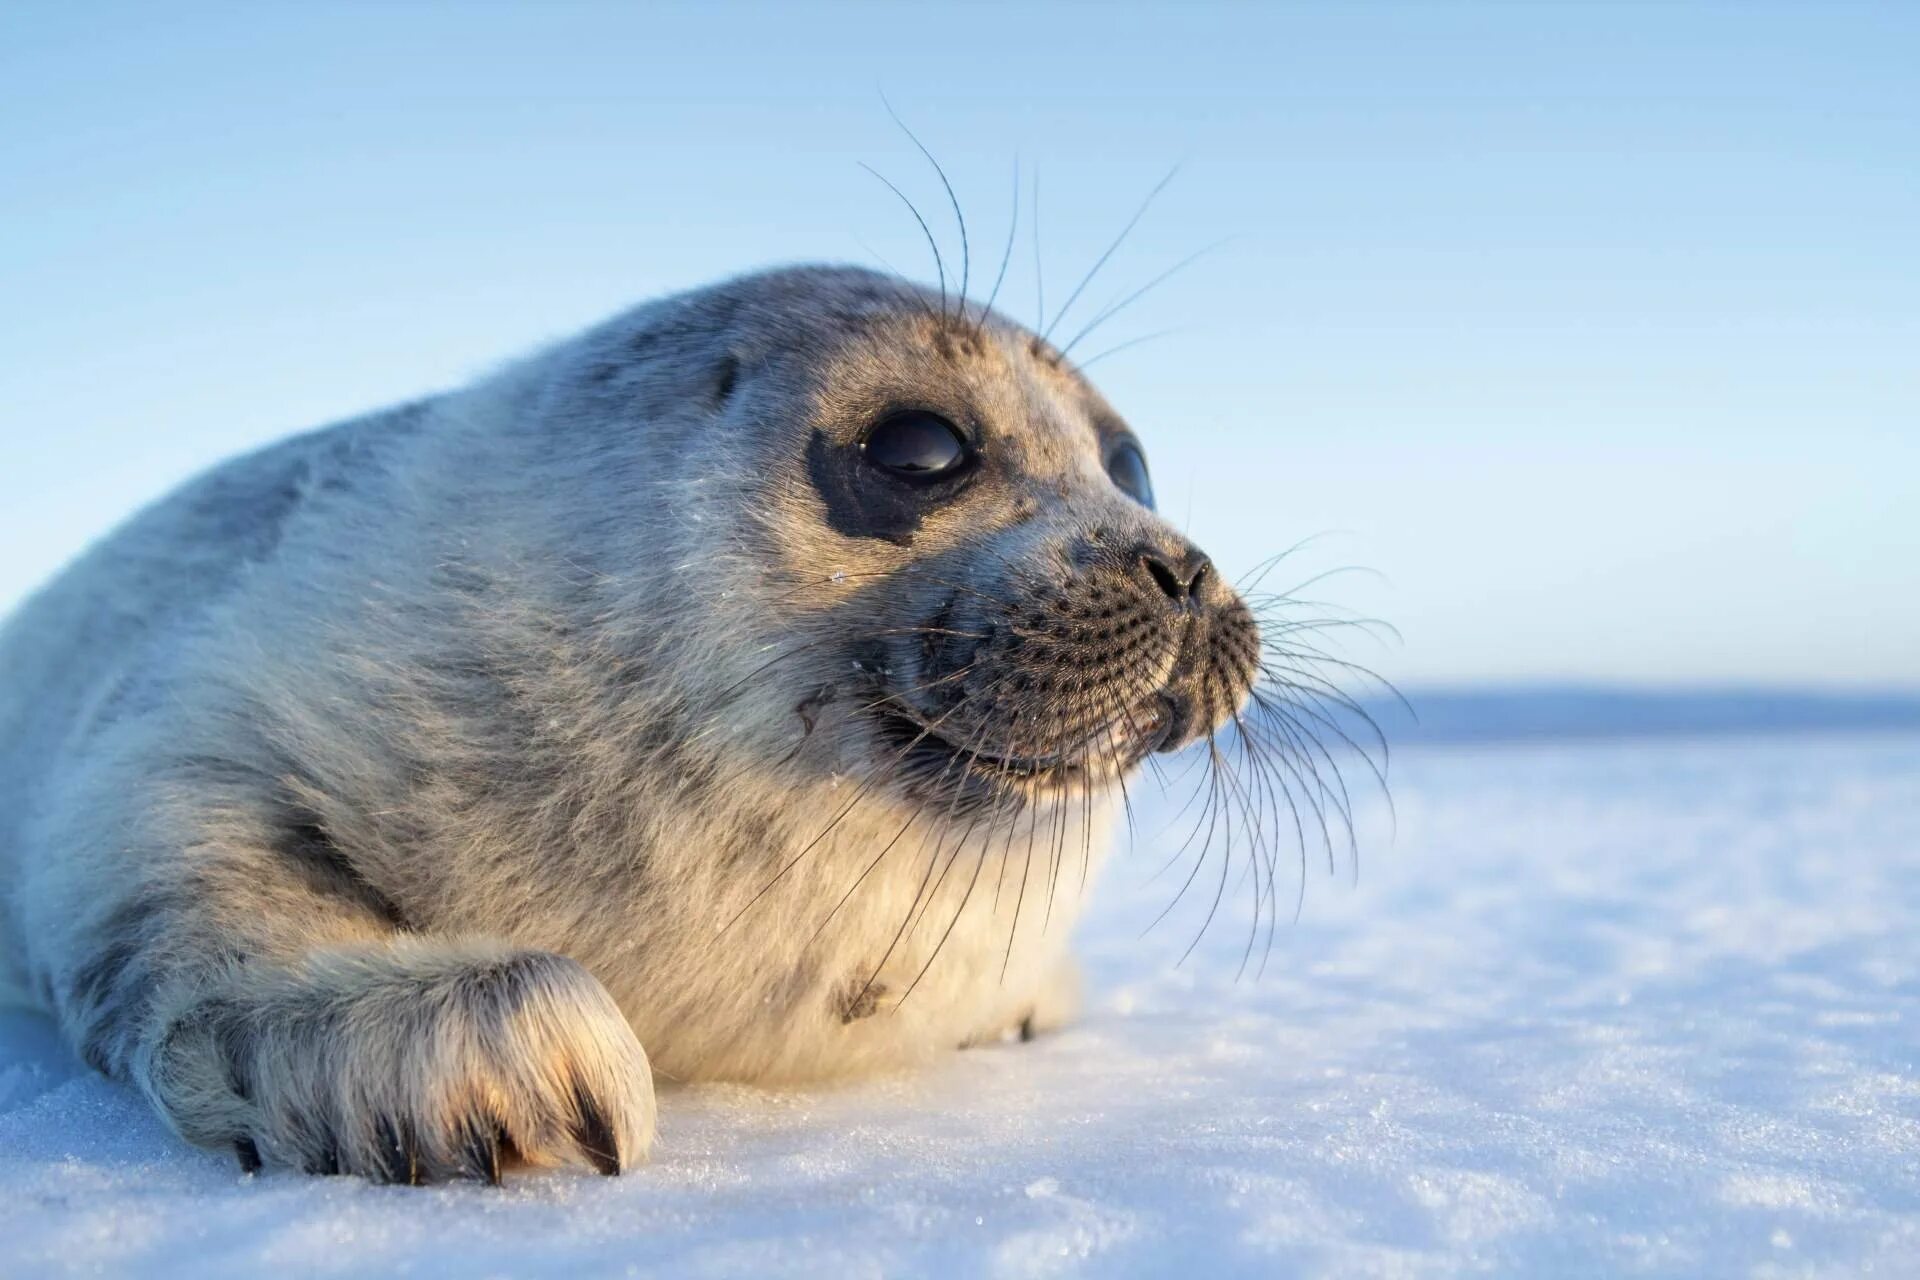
(411, 1062)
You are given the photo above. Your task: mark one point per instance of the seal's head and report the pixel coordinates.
(942, 535)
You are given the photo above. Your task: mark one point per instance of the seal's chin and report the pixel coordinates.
(942, 767)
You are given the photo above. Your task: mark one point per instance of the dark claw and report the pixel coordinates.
(509, 1150)
(1026, 1029)
(480, 1153)
(248, 1153)
(399, 1157)
(595, 1136)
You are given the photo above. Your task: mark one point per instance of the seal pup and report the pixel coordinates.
(739, 690)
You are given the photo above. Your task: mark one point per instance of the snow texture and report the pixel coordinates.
(1608, 1008)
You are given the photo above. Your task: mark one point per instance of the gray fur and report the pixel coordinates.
(371, 800)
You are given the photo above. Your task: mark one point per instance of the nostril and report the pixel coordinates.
(1163, 576)
(1178, 581)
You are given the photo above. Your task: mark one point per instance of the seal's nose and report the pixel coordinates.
(1179, 576)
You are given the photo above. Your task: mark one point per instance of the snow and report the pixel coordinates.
(1608, 1008)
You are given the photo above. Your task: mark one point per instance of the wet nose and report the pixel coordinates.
(1179, 575)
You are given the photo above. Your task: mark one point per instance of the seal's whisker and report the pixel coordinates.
(923, 904)
(1279, 797)
(1254, 858)
(1226, 855)
(1209, 816)
(1114, 706)
(1284, 699)
(939, 263)
(1101, 261)
(1274, 613)
(887, 955)
(814, 644)
(940, 829)
(1020, 898)
(1310, 684)
(959, 217)
(964, 900)
(885, 262)
(906, 924)
(1297, 759)
(1012, 826)
(1113, 309)
(885, 849)
(958, 911)
(1258, 799)
(1276, 654)
(1261, 569)
(1128, 345)
(1255, 864)
(1285, 713)
(1039, 276)
(872, 779)
(1006, 254)
(1198, 763)
(1056, 833)
(1325, 575)
(951, 765)
(1111, 709)
(1283, 708)
(1372, 628)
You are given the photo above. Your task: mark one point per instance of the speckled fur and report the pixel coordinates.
(370, 801)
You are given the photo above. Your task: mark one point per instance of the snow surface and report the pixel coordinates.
(1615, 1008)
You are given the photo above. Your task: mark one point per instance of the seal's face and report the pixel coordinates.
(965, 531)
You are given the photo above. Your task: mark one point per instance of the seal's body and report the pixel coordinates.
(745, 679)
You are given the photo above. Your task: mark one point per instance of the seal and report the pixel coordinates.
(739, 690)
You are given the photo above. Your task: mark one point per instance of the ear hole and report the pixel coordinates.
(724, 383)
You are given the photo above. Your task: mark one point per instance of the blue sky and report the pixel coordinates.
(1594, 329)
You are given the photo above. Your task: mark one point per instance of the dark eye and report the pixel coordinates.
(916, 445)
(1128, 468)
